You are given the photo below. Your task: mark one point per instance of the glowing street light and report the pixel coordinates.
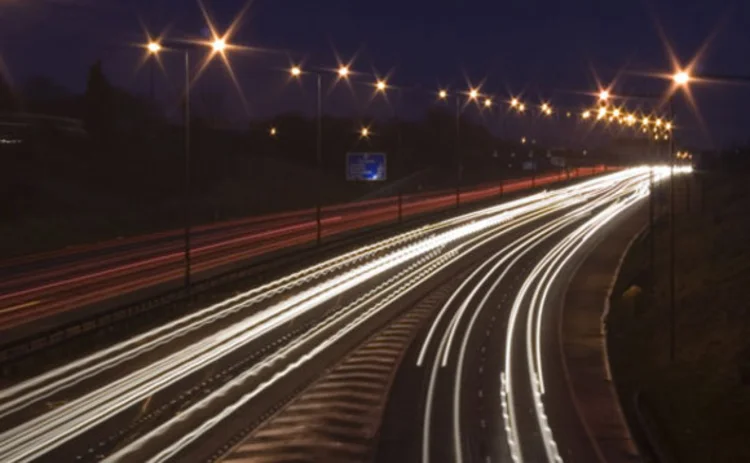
(586, 114)
(295, 71)
(601, 113)
(272, 131)
(443, 94)
(658, 123)
(616, 113)
(380, 85)
(473, 94)
(364, 132)
(668, 126)
(521, 107)
(514, 103)
(487, 102)
(604, 95)
(153, 47)
(630, 119)
(681, 78)
(219, 45)
(646, 121)
(343, 72)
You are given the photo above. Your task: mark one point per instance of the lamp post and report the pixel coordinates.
(155, 48)
(473, 95)
(681, 78)
(296, 72)
(218, 45)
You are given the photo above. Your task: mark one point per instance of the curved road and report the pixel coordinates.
(176, 390)
(475, 385)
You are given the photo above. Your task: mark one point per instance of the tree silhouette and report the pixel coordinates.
(8, 100)
(99, 110)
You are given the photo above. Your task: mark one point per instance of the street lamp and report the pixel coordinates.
(381, 85)
(343, 71)
(586, 114)
(364, 132)
(681, 78)
(604, 95)
(473, 95)
(154, 48)
(219, 45)
(272, 131)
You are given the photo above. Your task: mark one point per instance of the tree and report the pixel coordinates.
(8, 100)
(99, 110)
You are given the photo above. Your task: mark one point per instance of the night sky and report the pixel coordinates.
(544, 48)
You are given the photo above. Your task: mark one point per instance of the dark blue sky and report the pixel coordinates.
(547, 48)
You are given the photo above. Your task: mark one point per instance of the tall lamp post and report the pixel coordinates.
(473, 96)
(218, 45)
(681, 78)
(296, 72)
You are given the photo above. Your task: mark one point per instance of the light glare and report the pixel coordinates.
(681, 78)
(219, 45)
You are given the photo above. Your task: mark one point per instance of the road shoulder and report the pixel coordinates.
(584, 347)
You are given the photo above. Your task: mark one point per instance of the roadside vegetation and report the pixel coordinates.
(695, 408)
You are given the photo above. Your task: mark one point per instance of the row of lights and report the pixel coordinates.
(681, 78)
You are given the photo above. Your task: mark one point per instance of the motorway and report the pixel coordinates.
(473, 386)
(184, 388)
(38, 286)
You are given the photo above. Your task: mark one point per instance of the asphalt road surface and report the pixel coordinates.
(174, 392)
(476, 383)
(39, 286)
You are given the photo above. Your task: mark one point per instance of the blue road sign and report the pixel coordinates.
(366, 167)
